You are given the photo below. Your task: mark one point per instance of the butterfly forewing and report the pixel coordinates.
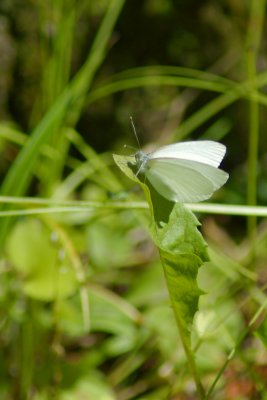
(203, 151)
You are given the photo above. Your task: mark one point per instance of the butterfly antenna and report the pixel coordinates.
(135, 133)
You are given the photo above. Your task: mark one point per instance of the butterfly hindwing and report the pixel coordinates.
(184, 180)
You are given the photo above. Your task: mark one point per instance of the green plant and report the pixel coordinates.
(84, 310)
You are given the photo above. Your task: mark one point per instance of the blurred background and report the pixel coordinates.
(84, 311)
(205, 36)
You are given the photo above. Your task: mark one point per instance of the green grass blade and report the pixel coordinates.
(21, 171)
(253, 42)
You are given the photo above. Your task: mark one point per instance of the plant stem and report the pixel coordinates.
(27, 354)
(253, 41)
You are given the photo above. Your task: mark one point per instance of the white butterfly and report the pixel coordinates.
(184, 172)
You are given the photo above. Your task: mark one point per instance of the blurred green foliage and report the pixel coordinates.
(84, 310)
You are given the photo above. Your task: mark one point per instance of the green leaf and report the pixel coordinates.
(182, 249)
(107, 316)
(93, 387)
(46, 275)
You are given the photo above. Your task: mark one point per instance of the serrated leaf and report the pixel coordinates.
(182, 251)
(182, 248)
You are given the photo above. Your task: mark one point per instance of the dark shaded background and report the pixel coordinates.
(205, 35)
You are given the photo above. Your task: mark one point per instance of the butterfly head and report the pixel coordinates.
(141, 160)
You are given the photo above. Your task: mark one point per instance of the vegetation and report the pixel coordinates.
(106, 290)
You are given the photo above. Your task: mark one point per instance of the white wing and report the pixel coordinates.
(183, 180)
(202, 151)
